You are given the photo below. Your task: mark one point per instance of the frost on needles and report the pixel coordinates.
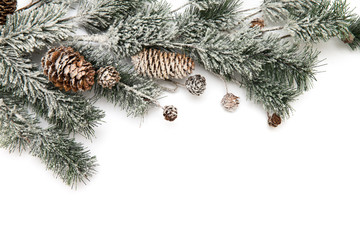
(24, 89)
(273, 64)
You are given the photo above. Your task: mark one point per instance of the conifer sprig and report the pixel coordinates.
(321, 22)
(70, 113)
(275, 97)
(195, 21)
(281, 10)
(20, 130)
(133, 93)
(98, 15)
(33, 29)
(252, 56)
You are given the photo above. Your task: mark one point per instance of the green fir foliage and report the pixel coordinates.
(195, 21)
(26, 31)
(273, 69)
(97, 15)
(20, 131)
(321, 22)
(133, 93)
(26, 96)
(280, 10)
(69, 112)
(273, 96)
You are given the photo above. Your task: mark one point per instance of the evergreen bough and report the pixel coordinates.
(275, 65)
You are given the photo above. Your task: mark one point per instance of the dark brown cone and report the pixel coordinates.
(170, 113)
(7, 7)
(349, 39)
(274, 120)
(68, 70)
(258, 22)
(163, 65)
(108, 77)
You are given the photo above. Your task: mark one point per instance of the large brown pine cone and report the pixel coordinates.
(163, 65)
(68, 70)
(7, 7)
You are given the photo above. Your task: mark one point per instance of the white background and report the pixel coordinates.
(210, 175)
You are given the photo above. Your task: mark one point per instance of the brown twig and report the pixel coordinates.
(251, 15)
(28, 6)
(286, 36)
(181, 7)
(247, 10)
(272, 29)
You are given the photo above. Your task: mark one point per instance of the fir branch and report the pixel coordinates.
(220, 15)
(204, 4)
(19, 130)
(26, 31)
(226, 55)
(290, 64)
(322, 21)
(71, 113)
(275, 97)
(252, 57)
(280, 10)
(134, 94)
(98, 15)
(151, 26)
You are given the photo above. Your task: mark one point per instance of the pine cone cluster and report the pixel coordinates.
(108, 77)
(196, 85)
(163, 65)
(170, 113)
(230, 102)
(7, 7)
(68, 70)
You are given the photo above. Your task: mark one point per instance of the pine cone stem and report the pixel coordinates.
(247, 10)
(272, 29)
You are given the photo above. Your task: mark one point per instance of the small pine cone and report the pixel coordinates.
(108, 77)
(68, 70)
(170, 113)
(230, 102)
(196, 85)
(258, 22)
(163, 65)
(7, 7)
(274, 120)
(349, 39)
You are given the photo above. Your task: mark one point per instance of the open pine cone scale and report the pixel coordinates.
(68, 70)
